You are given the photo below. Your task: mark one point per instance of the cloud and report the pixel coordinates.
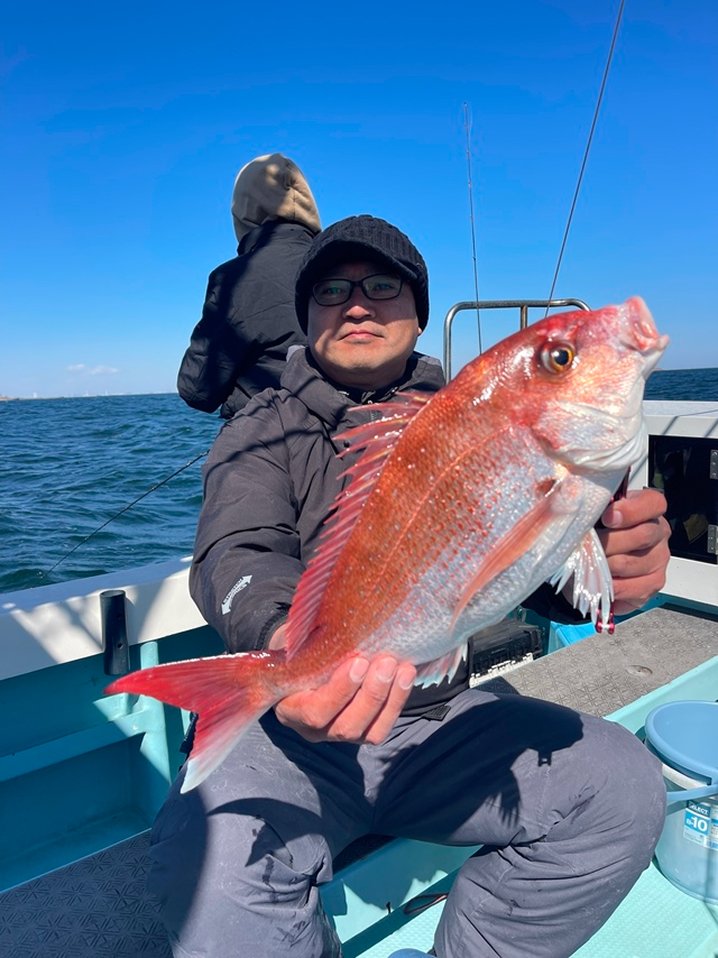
(85, 370)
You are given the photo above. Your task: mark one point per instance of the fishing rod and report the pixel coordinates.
(154, 488)
(609, 625)
(467, 127)
(587, 149)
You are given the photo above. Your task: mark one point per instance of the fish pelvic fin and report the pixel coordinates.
(592, 582)
(376, 439)
(228, 692)
(431, 673)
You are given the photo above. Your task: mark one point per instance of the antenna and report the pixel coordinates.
(467, 128)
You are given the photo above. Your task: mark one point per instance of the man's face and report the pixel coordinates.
(363, 343)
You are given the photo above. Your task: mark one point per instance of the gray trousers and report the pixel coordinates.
(568, 807)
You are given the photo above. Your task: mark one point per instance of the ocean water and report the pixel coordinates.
(696, 385)
(69, 466)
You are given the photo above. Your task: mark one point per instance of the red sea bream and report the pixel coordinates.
(459, 507)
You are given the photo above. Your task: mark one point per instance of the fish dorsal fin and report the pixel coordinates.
(377, 440)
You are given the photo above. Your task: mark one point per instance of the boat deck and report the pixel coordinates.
(602, 673)
(98, 905)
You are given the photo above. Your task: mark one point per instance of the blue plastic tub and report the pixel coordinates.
(684, 736)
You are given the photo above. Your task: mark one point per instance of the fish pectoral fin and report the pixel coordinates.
(592, 582)
(431, 673)
(513, 545)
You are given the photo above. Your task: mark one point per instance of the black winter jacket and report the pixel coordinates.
(248, 322)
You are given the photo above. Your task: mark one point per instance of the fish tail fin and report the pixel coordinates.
(228, 692)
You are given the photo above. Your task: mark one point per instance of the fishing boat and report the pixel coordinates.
(82, 774)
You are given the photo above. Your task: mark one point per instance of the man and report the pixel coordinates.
(568, 807)
(248, 322)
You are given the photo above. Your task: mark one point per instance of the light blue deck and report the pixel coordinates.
(655, 921)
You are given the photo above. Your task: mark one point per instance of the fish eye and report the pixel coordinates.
(558, 357)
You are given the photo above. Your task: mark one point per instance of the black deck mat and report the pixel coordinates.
(94, 907)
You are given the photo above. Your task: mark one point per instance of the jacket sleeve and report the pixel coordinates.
(216, 353)
(247, 561)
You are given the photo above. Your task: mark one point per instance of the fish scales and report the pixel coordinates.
(444, 481)
(375, 574)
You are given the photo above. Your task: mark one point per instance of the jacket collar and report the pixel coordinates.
(331, 403)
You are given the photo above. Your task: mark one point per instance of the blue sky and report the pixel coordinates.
(122, 128)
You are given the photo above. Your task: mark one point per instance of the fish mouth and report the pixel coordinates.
(639, 333)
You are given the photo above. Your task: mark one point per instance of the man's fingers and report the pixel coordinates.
(317, 708)
(369, 702)
(372, 713)
(639, 505)
(360, 702)
(638, 539)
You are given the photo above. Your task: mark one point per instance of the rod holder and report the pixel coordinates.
(115, 647)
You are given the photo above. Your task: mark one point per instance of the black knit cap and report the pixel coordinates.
(362, 237)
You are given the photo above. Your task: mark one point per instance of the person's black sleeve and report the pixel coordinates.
(247, 561)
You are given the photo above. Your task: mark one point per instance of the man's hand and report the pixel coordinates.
(635, 539)
(360, 702)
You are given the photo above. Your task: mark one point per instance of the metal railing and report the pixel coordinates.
(523, 305)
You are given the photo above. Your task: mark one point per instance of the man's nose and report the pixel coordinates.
(358, 305)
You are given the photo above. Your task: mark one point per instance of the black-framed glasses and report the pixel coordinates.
(334, 292)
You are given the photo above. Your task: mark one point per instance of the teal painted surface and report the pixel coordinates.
(656, 920)
(80, 770)
(357, 900)
(700, 683)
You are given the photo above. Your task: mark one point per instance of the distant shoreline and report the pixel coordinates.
(169, 392)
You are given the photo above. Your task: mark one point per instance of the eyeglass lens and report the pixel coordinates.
(333, 292)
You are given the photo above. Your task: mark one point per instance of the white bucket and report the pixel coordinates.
(684, 736)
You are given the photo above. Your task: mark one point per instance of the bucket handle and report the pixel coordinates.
(692, 793)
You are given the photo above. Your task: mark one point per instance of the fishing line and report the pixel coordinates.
(157, 485)
(619, 17)
(467, 126)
